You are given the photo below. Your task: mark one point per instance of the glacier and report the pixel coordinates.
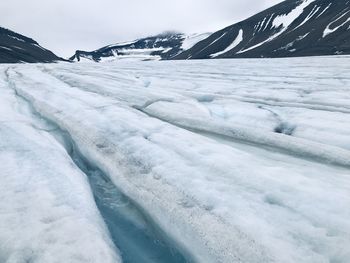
(176, 161)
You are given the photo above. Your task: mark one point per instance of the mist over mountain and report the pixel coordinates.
(163, 46)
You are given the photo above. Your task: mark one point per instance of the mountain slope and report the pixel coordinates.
(291, 28)
(162, 46)
(15, 48)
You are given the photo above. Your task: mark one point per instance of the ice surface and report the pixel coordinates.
(236, 160)
(47, 212)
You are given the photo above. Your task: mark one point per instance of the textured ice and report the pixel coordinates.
(47, 212)
(236, 160)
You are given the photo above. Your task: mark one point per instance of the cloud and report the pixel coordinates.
(66, 25)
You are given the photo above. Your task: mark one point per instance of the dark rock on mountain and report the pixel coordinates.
(163, 46)
(291, 28)
(15, 48)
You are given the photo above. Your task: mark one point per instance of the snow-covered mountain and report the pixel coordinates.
(291, 28)
(15, 48)
(162, 46)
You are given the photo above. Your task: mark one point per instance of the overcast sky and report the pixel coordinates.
(66, 25)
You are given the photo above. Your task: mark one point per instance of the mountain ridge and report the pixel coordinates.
(162, 46)
(17, 48)
(289, 29)
(292, 28)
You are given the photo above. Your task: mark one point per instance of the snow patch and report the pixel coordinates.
(234, 44)
(283, 22)
(330, 30)
(192, 40)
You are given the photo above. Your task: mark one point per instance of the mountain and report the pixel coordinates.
(162, 46)
(15, 48)
(289, 29)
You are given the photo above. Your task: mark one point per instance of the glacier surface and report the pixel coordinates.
(229, 160)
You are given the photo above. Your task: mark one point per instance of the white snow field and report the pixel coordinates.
(228, 160)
